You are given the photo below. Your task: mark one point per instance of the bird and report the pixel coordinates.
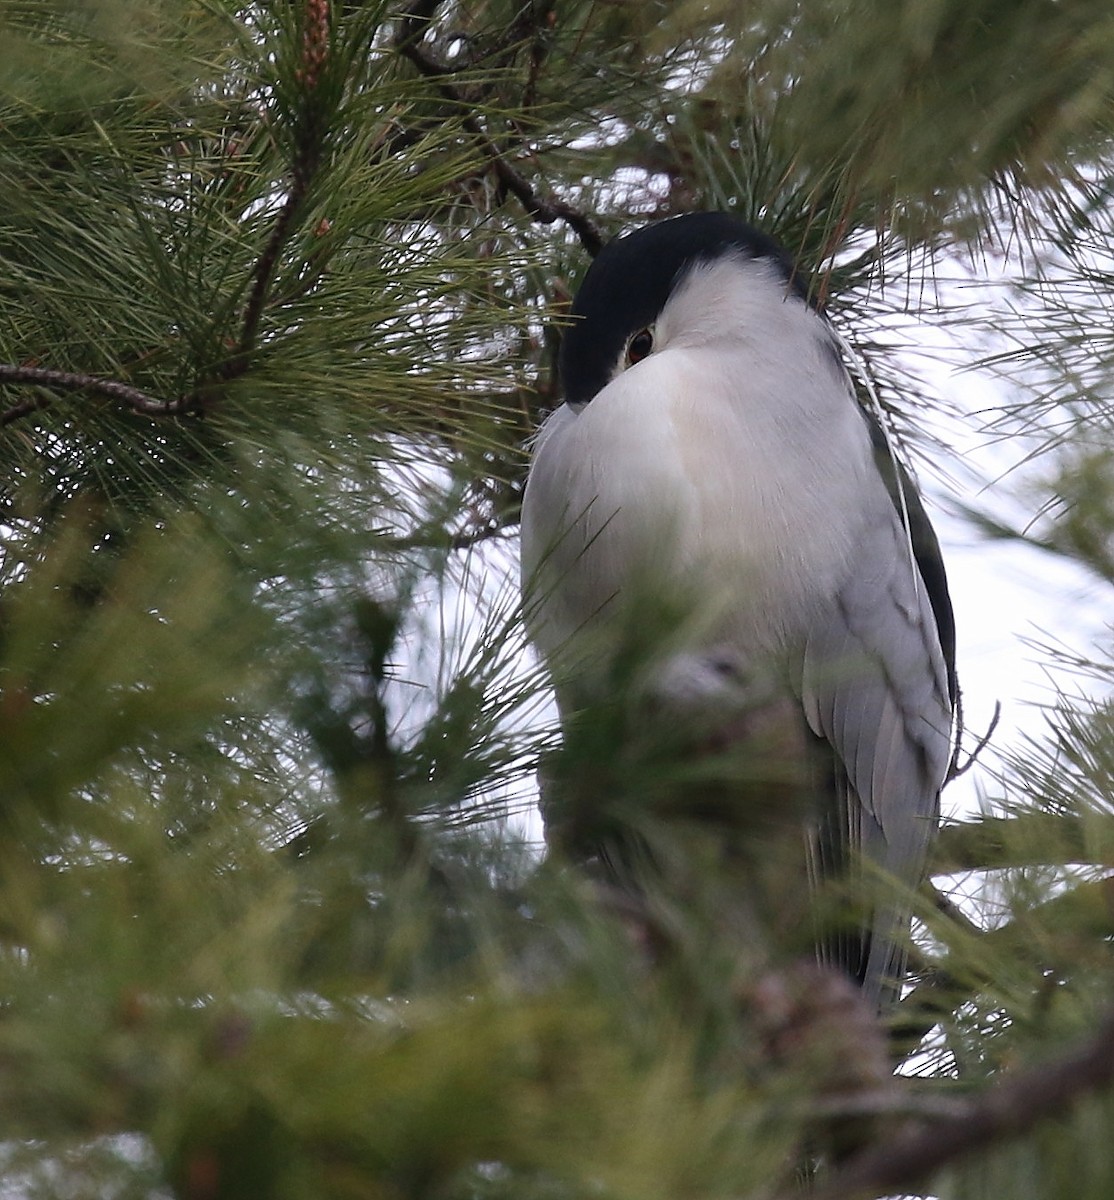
(711, 456)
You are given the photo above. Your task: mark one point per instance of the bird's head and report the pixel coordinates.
(689, 281)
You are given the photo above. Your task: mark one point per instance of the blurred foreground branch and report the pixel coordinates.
(1005, 1110)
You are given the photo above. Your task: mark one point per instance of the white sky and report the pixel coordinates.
(1010, 599)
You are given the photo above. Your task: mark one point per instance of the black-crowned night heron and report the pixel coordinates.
(711, 449)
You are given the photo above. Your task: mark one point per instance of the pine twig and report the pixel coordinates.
(957, 768)
(1013, 1105)
(546, 212)
(463, 539)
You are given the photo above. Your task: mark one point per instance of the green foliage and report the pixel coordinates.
(272, 920)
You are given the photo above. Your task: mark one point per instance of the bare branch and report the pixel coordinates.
(70, 381)
(1008, 1108)
(543, 211)
(956, 768)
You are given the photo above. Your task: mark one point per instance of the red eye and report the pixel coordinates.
(639, 346)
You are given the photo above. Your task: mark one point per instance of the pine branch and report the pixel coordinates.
(307, 156)
(1011, 1107)
(1081, 909)
(313, 58)
(1020, 840)
(546, 212)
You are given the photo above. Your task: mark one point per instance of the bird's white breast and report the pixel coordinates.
(732, 474)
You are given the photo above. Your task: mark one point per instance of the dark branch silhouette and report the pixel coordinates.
(415, 20)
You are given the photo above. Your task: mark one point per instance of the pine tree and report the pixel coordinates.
(280, 294)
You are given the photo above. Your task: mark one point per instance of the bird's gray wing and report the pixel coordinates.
(875, 686)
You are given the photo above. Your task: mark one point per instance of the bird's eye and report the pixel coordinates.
(639, 346)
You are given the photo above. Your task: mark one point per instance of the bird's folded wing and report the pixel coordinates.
(874, 685)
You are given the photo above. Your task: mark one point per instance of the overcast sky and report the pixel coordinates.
(1010, 599)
